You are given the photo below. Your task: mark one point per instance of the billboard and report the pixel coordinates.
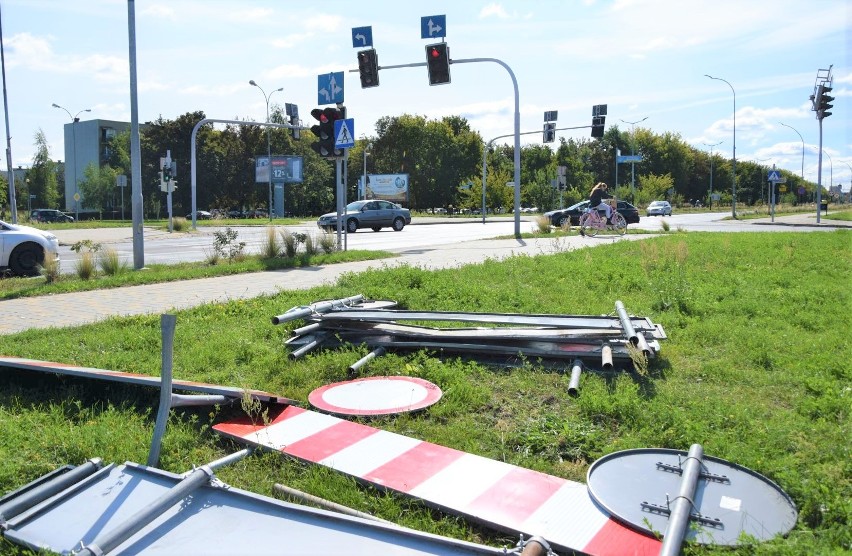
(285, 169)
(390, 187)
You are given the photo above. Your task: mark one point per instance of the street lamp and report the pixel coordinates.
(734, 181)
(366, 152)
(632, 153)
(803, 146)
(268, 144)
(711, 145)
(74, 119)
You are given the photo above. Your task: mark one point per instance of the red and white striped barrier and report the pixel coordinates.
(499, 495)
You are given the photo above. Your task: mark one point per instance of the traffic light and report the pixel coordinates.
(325, 131)
(438, 63)
(293, 113)
(549, 132)
(824, 102)
(368, 66)
(598, 120)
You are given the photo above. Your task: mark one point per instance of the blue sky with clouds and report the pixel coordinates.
(643, 58)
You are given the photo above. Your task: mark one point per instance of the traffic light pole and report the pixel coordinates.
(517, 119)
(192, 151)
(488, 147)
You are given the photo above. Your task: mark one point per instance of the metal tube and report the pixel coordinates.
(229, 459)
(683, 504)
(44, 491)
(606, 357)
(322, 307)
(642, 344)
(108, 541)
(307, 347)
(306, 329)
(181, 400)
(354, 367)
(323, 503)
(167, 325)
(626, 323)
(574, 383)
(536, 546)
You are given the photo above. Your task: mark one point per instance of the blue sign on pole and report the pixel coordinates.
(432, 26)
(330, 88)
(773, 175)
(628, 158)
(344, 133)
(362, 37)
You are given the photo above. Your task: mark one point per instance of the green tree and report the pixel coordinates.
(98, 187)
(42, 181)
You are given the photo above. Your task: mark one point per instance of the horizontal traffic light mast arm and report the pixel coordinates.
(537, 131)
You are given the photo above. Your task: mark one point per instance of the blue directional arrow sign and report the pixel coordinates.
(330, 88)
(432, 26)
(344, 133)
(362, 37)
(773, 175)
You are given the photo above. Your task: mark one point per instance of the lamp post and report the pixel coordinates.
(268, 143)
(632, 153)
(366, 152)
(803, 146)
(74, 119)
(734, 180)
(711, 145)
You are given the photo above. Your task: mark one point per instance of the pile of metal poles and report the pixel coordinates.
(598, 341)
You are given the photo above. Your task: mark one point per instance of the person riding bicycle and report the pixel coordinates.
(596, 200)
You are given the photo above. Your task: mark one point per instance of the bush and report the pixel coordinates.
(110, 263)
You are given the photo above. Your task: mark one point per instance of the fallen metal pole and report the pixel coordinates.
(626, 323)
(354, 367)
(315, 308)
(167, 326)
(44, 491)
(181, 400)
(194, 480)
(574, 384)
(606, 357)
(307, 329)
(536, 546)
(307, 347)
(683, 503)
(323, 503)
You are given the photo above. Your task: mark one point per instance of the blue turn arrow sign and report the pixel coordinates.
(432, 26)
(330, 88)
(362, 37)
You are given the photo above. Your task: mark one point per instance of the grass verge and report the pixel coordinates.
(756, 369)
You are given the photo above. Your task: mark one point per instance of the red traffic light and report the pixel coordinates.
(438, 63)
(320, 115)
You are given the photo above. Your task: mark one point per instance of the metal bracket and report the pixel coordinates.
(666, 511)
(703, 474)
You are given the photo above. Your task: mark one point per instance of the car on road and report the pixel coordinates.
(659, 208)
(23, 249)
(374, 214)
(572, 214)
(200, 215)
(50, 215)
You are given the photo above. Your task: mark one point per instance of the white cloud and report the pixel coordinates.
(493, 10)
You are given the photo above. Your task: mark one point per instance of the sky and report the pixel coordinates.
(645, 59)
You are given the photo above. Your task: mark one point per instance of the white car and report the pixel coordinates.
(659, 208)
(22, 248)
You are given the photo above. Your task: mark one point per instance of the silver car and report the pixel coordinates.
(374, 214)
(659, 208)
(23, 248)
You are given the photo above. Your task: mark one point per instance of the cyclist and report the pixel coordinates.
(596, 200)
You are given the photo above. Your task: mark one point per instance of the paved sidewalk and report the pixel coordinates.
(74, 309)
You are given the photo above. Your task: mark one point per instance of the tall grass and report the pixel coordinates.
(756, 369)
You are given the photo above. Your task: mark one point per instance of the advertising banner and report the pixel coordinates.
(285, 169)
(390, 187)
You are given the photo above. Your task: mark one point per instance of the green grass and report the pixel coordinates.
(756, 369)
(11, 288)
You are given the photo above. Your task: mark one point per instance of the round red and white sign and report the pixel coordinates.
(377, 395)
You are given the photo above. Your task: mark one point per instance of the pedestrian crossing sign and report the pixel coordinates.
(774, 175)
(344, 133)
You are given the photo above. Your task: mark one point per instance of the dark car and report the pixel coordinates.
(50, 215)
(200, 215)
(373, 214)
(561, 217)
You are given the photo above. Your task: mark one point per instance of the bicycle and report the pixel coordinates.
(591, 222)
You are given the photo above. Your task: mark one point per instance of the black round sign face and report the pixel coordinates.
(377, 395)
(638, 488)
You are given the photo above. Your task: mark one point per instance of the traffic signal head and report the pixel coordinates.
(293, 113)
(324, 131)
(824, 101)
(438, 63)
(549, 132)
(598, 126)
(368, 66)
